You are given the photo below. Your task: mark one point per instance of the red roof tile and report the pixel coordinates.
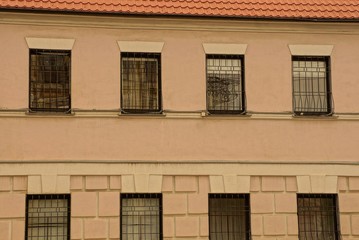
(286, 9)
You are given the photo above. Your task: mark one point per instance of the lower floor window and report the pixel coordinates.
(141, 216)
(229, 217)
(317, 217)
(48, 217)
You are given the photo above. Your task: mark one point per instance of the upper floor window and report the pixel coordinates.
(48, 217)
(141, 216)
(50, 74)
(229, 217)
(141, 82)
(311, 86)
(225, 84)
(317, 217)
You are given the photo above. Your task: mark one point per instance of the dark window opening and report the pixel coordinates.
(141, 216)
(50, 74)
(317, 217)
(225, 84)
(229, 217)
(141, 82)
(48, 217)
(311, 86)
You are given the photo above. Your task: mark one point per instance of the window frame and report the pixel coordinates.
(336, 220)
(35, 51)
(143, 196)
(329, 95)
(153, 55)
(242, 99)
(30, 197)
(247, 210)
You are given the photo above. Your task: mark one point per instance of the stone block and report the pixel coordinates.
(18, 230)
(174, 204)
(216, 184)
(141, 182)
(353, 183)
(273, 184)
(255, 185)
(12, 205)
(187, 226)
(20, 183)
(115, 228)
(128, 184)
(331, 184)
(115, 182)
(167, 184)
(342, 184)
(244, 183)
(168, 227)
(96, 182)
(345, 224)
(304, 185)
(109, 204)
(186, 184)
(5, 230)
(95, 229)
(63, 184)
(262, 203)
(291, 184)
(230, 183)
(274, 225)
(203, 184)
(348, 202)
(286, 203)
(76, 228)
(155, 184)
(48, 183)
(317, 183)
(198, 203)
(83, 204)
(34, 185)
(292, 224)
(355, 225)
(256, 225)
(5, 184)
(203, 226)
(76, 183)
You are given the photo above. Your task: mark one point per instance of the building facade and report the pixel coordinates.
(137, 125)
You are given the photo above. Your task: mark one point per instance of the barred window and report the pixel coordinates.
(317, 217)
(141, 82)
(311, 86)
(48, 217)
(225, 84)
(141, 216)
(229, 217)
(50, 74)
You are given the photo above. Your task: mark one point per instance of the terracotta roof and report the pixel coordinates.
(286, 9)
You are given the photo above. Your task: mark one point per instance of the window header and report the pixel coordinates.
(137, 46)
(50, 43)
(311, 50)
(225, 48)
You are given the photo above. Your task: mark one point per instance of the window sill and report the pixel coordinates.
(34, 113)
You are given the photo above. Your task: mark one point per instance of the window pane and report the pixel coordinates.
(225, 90)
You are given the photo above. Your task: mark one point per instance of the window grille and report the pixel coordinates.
(141, 82)
(317, 217)
(50, 74)
(225, 84)
(229, 217)
(311, 86)
(141, 216)
(48, 217)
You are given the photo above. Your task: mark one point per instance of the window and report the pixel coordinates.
(317, 217)
(50, 80)
(48, 217)
(311, 86)
(225, 84)
(141, 216)
(141, 82)
(229, 217)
